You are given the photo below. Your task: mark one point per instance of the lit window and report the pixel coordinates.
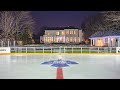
(52, 39)
(48, 33)
(63, 33)
(49, 39)
(75, 39)
(67, 39)
(57, 39)
(46, 39)
(57, 33)
(71, 32)
(67, 32)
(70, 39)
(74, 32)
(78, 39)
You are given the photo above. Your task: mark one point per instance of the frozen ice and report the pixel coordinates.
(90, 66)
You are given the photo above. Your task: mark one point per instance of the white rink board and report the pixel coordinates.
(117, 49)
(4, 49)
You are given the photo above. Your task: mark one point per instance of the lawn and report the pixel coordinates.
(64, 50)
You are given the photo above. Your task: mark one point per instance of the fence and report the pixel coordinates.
(7, 43)
(63, 50)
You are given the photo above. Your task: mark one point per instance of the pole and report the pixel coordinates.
(118, 42)
(91, 41)
(14, 43)
(1, 43)
(8, 43)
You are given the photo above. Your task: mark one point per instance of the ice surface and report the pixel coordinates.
(89, 67)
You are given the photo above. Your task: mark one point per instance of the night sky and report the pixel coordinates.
(60, 18)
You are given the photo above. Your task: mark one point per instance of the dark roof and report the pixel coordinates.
(106, 33)
(60, 28)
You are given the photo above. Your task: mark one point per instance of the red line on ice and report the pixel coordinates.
(59, 73)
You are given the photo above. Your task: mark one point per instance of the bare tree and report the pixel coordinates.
(111, 15)
(106, 20)
(91, 24)
(13, 22)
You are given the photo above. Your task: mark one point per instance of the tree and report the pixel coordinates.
(26, 36)
(41, 32)
(93, 24)
(88, 26)
(111, 15)
(112, 18)
(12, 23)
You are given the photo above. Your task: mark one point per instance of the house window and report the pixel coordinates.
(74, 32)
(67, 39)
(78, 39)
(57, 33)
(57, 39)
(54, 39)
(67, 32)
(71, 32)
(63, 33)
(70, 39)
(46, 39)
(51, 39)
(48, 33)
(75, 39)
(106, 40)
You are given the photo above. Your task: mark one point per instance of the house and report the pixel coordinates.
(62, 35)
(106, 38)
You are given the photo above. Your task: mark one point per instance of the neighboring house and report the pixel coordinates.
(106, 38)
(62, 35)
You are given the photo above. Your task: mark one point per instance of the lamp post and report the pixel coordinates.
(118, 42)
(8, 43)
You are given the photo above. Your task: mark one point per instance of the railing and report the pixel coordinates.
(63, 50)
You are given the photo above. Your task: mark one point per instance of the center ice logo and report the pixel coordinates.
(59, 63)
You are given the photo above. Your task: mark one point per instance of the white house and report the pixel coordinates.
(62, 35)
(106, 38)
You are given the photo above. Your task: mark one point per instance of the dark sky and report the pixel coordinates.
(60, 18)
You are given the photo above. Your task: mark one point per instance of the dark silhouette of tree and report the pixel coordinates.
(26, 36)
(90, 25)
(41, 32)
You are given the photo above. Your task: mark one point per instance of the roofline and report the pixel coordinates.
(105, 37)
(59, 29)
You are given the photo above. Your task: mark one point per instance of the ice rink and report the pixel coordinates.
(91, 66)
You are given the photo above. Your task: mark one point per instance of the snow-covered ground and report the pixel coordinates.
(90, 66)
